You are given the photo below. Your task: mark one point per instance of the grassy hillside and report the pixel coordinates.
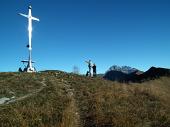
(57, 99)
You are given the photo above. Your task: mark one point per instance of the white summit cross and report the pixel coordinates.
(29, 67)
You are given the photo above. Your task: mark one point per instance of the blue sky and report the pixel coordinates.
(135, 33)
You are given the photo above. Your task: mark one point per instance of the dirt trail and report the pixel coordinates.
(28, 95)
(71, 114)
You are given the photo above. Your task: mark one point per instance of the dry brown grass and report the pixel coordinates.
(75, 101)
(107, 104)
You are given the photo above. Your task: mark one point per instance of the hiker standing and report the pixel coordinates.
(94, 70)
(89, 66)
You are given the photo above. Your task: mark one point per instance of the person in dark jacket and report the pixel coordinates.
(94, 70)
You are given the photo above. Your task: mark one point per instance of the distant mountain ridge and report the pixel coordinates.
(135, 76)
(123, 69)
